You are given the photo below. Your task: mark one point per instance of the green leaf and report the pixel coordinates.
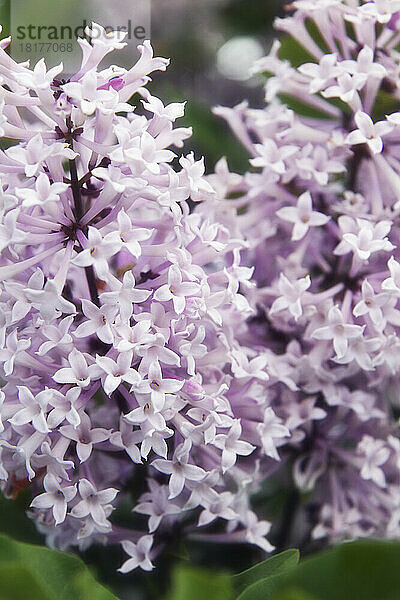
(294, 52)
(296, 594)
(365, 570)
(18, 583)
(385, 104)
(193, 583)
(272, 566)
(13, 519)
(38, 573)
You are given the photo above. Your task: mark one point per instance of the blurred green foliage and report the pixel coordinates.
(192, 583)
(359, 570)
(38, 573)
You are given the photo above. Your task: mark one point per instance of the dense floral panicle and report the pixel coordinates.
(319, 210)
(119, 308)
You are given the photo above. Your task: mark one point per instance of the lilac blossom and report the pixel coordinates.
(120, 307)
(323, 235)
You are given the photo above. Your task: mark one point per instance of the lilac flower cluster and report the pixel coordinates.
(119, 311)
(320, 211)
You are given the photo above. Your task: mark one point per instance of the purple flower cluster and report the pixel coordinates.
(119, 307)
(320, 211)
(170, 340)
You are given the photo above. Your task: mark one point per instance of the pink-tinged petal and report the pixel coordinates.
(163, 466)
(39, 423)
(59, 510)
(174, 277)
(145, 543)
(146, 565)
(340, 345)
(83, 259)
(81, 510)
(244, 448)
(129, 547)
(111, 383)
(99, 435)
(375, 145)
(299, 231)
(155, 371)
(304, 204)
(322, 333)
(25, 396)
(83, 451)
(90, 310)
(85, 329)
(98, 514)
(176, 485)
(86, 488)
(205, 518)
(278, 305)
(64, 375)
(157, 400)
(129, 565)
(363, 121)
(78, 363)
(140, 295)
(188, 289)
(105, 334)
(171, 385)
(163, 294)
(107, 496)
(22, 417)
(69, 492)
(193, 472)
(134, 454)
(107, 364)
(132, 377)
(356, 137)
(228, 459)
(179, 303)
(318, 219)
(288, 213)
(43, 501)
(383, 128)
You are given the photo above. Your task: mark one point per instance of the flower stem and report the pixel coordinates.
(78, 210)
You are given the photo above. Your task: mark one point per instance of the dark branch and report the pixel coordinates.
(78, 210)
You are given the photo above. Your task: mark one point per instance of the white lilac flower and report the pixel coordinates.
(139, 554)
(338, 331)
(321, 74)
(55, 497)
(118, 371)
(93, 502)
(368, 132)
(291, 296)
(179, 470)
(302, 216)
